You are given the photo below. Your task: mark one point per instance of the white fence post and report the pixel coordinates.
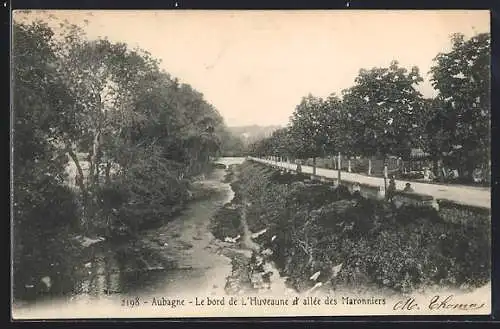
(339, 168)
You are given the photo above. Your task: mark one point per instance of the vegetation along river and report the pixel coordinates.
(176, 258)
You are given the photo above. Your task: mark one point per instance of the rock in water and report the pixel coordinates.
(315, 276)
(336, 270)
(316, 286)
(257, 234)
(47, 282)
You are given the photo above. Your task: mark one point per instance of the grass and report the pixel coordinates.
(319, 228)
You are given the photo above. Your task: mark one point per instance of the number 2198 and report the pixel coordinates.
(131, 302)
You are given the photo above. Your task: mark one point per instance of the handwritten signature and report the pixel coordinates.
(436, 303)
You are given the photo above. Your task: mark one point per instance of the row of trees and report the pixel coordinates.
(384, 114)
(133, 133)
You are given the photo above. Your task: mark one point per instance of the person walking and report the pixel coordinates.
(391, 189)
(299, 167)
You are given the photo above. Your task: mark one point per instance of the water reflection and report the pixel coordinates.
(134, 266)
(102, 278)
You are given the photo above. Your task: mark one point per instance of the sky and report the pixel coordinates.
(255, 66)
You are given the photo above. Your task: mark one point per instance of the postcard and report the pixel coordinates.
(202, 163)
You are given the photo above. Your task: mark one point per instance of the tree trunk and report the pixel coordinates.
(79, 181)
(436, 167)
(339, 168)
(93, 184)
(469, 168)
(94, 160)
(84, 192)
(108, 173)
(314, 166)
(385, 173)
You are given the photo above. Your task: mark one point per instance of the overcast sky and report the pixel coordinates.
(254, 66)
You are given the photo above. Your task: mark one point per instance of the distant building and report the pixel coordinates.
(417, 153)
(419, 159)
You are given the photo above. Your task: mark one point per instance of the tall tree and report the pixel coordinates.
(384, 110)
(307, 129)
(100, 76)
(40, 102)
(436, 136)
(44, 210)
(333, 121)
(462, 77)
(280, 142)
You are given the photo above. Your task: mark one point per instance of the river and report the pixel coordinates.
(178, 258)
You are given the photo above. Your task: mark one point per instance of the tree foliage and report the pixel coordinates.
(384, 114)
(384, 108)
(462, 77)
(40, 100)
(135, 135)
(307, 127)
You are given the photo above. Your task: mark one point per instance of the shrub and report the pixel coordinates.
(147, 193)
(318, 227)
(226, 223)
(42, 219)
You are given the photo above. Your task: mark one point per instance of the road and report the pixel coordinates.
(467, 195)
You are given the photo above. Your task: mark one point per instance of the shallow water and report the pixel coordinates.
(179, 257)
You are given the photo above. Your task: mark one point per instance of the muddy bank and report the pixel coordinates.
(278, 236)
(95, 268)
(180, 256)
(322, 237)
(253, 269)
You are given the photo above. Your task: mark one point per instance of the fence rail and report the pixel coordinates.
(469, 196)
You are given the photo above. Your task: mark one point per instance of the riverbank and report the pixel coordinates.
(181, 257)
(253, 271)
(321, 236)
(70, 264)
(196, 255)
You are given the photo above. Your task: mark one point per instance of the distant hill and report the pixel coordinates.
(253, 133)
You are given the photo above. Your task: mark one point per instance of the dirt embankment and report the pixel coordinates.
(321, 236)
(253, 269)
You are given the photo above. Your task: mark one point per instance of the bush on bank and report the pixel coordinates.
(321, 228)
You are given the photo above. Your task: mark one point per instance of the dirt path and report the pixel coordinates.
(473, 196)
